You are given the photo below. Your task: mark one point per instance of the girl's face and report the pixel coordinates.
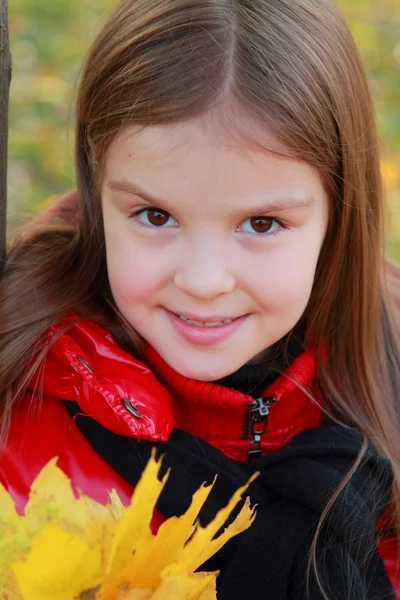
(203, 228)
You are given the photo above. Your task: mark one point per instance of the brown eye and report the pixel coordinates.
(153, 218)
(262, 224)
(157, 217)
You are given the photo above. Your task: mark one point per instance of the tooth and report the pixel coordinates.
(207, 324)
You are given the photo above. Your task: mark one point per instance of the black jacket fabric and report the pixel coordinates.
(269, 560)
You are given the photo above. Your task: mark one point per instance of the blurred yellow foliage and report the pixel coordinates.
(390, 170)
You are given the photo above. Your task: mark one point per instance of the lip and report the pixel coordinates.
(204, 336)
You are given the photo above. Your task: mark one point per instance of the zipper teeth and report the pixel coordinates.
(251, 433)
(245, 432)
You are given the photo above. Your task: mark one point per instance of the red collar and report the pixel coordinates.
(219, 414)
(86, 365)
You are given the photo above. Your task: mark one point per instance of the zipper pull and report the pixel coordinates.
(258, 420)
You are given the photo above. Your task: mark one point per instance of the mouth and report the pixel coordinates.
(209, 323)
(207, 329)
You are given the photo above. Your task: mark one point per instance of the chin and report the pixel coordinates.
(203, 373)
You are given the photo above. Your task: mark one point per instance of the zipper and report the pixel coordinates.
(258, 421)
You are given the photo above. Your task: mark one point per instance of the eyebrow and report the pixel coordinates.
(277, 205)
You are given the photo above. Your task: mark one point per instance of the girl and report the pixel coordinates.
(216, 286)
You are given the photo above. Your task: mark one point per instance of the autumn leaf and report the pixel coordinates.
(60, 565)
(71, 548)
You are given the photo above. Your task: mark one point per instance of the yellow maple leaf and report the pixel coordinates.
(14, 544)
(60, 565)
(70, 548)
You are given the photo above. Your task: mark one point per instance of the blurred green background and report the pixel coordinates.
(49, 39)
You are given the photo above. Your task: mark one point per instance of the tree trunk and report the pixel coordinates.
(5, 79)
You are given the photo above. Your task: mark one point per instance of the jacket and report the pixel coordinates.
(291, 491)
(147, 401)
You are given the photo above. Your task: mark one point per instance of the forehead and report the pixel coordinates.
(195, 160)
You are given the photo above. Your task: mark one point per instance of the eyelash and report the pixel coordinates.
(134, 216)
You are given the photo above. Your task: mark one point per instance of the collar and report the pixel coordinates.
(222, 416)
(254, 378)
(146, 400)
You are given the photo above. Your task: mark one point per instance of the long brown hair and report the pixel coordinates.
(291, 65)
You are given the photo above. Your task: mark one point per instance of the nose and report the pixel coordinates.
(204, 272)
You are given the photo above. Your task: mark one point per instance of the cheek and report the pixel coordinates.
(135, 273)
(286, 280)
(129, 284)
